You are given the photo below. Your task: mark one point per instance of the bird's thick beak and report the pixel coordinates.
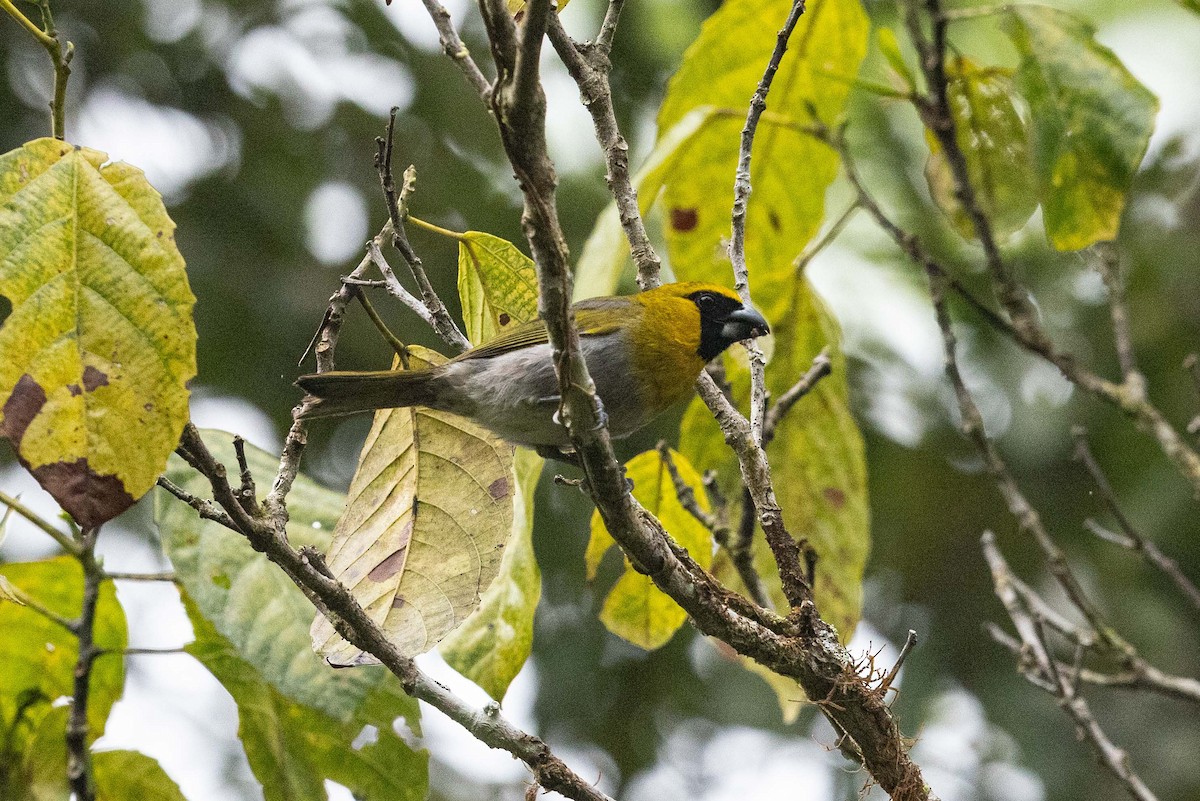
(745, 323)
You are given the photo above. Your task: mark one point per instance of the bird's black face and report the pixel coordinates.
(723, 321)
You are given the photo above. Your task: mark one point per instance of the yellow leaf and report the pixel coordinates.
(427, 516)
(491, 646)
(517, 8)
(100, 343)
(497, 285)
(635, 609)
(790, 170)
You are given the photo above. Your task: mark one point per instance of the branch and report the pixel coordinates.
(589, 67)
(397, 207)
(79, 768)
(822, 366)
(741, 197)
(1045, 672)
(267, 534)
(814, 658)
(60, 58)
(1026, 516)
(1130, 395)
(453, 46)
(1134, 541)
(935, 112)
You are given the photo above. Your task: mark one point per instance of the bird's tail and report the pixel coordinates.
(338, 393)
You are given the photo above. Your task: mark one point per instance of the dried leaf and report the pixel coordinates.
(427, 516)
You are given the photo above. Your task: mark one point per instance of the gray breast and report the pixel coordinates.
(516, 394)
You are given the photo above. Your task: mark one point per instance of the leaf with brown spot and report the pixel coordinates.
(497, 285)
(252, 606)
(491, 646)
(791, 170)
(99, 345)
(421, 524)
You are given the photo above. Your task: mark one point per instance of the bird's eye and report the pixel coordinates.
(705, 302)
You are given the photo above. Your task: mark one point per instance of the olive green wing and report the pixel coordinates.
(593, 317)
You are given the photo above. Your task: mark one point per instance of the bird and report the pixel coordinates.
(644, 353)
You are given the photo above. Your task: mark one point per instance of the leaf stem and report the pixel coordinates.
(59, 57)
(437, 229)
(28, 24)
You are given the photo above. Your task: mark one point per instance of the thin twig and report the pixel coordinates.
(69, 545)
(814, 249)
(910, 642)
(741, 197)
(399, 347)
(453, 46)
(590, 69)
(246, 490)
(822, 366)
(60, 57)
(114, 575)
(397, 290)
(442, 322)
(1134, 539)
(1046, 672)
(1108, 265)
(1018, 505)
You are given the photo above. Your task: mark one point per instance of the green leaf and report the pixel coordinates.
(497, 285)
(293, 748)
(995, 142)
(635, 609)
(605, 254)
(37, 770)
(817, 462)
(491, 645)
(247, 599)
(125, 775)
(427, 516)
(38, 655)
(1190, 5)
(790, 170)
(1092, 121)
(100, 343)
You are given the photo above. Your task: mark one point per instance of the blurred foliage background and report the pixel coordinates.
(257, 121)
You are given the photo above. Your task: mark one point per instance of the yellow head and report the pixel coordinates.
(684, 326)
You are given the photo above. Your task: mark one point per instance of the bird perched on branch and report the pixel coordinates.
(644, 353)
